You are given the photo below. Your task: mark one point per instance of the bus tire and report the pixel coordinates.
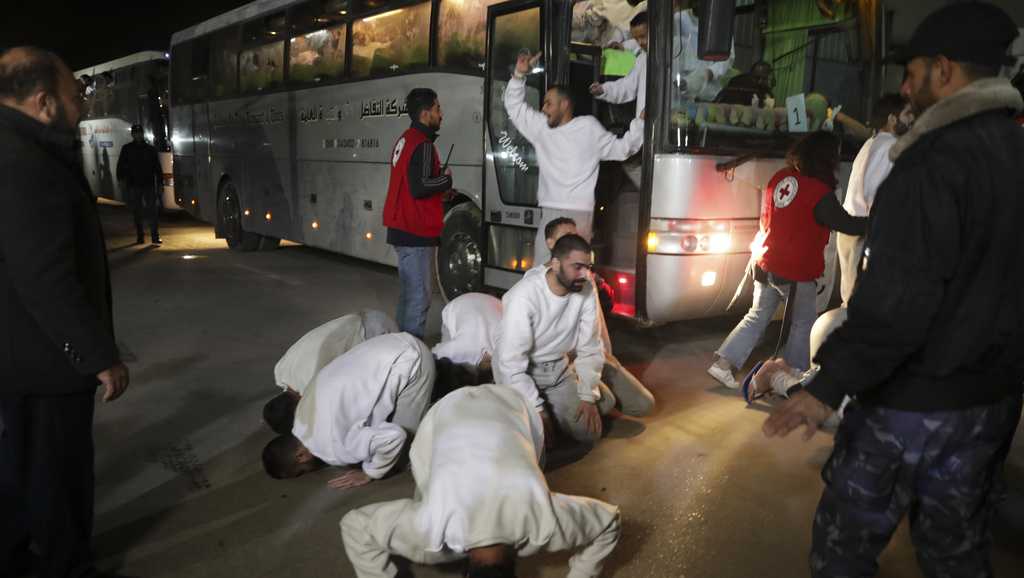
(268, 243)
(460, 259)
(229, 211)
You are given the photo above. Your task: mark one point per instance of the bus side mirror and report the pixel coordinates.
(715, 26)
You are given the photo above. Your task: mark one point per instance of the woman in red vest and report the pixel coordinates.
(799, 210)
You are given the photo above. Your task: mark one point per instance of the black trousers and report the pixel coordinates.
(145, 207)
(46, 483)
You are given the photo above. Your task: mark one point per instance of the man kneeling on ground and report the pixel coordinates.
(359, 410)
(548, 315)
(481, 496)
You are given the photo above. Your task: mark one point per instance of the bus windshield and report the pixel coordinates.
(811, 69)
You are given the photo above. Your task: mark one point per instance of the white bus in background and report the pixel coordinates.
(120, 93)
(284, 112)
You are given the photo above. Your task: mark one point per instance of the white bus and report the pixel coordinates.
(120, 93)
(284, 112)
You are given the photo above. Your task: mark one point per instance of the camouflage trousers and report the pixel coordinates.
(941, 469)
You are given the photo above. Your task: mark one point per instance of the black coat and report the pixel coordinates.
(936, 319)
(56, 329)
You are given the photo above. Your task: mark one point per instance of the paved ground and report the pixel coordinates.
(181, 493)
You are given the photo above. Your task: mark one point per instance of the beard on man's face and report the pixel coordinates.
(924, 97)
(573, 285)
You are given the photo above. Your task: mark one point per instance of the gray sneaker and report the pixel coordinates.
(723, 376)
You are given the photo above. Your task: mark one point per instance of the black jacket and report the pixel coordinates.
(56, 330)
(936, 319)
(138, 166)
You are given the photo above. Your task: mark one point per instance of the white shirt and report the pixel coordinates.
(475, 461)
(307, 356)
(633, 86)
(343, 418)
(569, 155)
(685, 32)
(468, 325)
(539, 327)
(870, 168)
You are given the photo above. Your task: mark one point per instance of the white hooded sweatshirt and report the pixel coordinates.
(468, 325)
(539, 327)
(475, 461)
(631, 87)
(307, 356)
(364, 403)
(570, 155)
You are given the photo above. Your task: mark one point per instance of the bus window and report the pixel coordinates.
(462, 34)
(261, 67)
(590, 26)
(318, 56)
(744, 108)
(224, 68)
(181, 76)
(200, 68)
(515, 160)
(394, 41)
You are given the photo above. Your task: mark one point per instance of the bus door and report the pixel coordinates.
(511, 214)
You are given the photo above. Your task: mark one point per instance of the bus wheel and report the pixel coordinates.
(460, 260)
(230, 214)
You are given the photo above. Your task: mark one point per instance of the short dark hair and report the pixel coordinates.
(569, 243)
(506, 569)
(816, 155)
(39, 70)
(564, 92)
(418, 100)
(279, 457)
(279, 413)
(554, 224)
(639, 20)
(889, 103)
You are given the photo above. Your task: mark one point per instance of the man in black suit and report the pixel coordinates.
(56, 330)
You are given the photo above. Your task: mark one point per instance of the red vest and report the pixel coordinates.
(421, 217)
(795, 242)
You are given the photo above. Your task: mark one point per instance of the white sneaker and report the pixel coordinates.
(723, 376)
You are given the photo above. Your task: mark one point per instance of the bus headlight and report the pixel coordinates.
(682, 237)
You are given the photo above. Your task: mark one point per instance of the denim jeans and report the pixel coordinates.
(415, 265)
(767, 296)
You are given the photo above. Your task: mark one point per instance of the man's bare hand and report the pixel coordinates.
(525, 62)
(596, 89)
(114, 381)
(590, 416)
(801, 409)
(350, 479)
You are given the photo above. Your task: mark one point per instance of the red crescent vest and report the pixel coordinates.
(421, 217)
(795, 242)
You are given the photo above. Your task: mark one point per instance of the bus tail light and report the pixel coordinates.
(681, 237)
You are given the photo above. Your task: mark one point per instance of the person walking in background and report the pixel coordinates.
(140, 174)
(799, 209)
(56, 329)
(891, 118)
(414, 210)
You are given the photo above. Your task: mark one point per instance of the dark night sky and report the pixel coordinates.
(89, 32)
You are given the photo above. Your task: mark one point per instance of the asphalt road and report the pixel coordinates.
(180, 490)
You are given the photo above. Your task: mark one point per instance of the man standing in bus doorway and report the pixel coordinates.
(933, 347)
(56, 331)
(631, 87)
(569, 152)
(413, 211)
(140, 173)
